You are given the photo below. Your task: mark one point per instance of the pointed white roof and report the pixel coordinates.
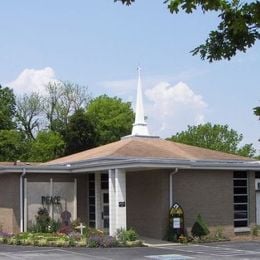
(139, 126)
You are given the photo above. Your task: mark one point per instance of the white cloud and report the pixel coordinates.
(33, 80)
(172, 107)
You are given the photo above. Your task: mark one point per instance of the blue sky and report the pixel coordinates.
(100, 44)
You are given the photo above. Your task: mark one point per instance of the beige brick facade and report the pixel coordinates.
(10, 202)
(147, 202)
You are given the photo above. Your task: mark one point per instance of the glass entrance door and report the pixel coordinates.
(105, 209)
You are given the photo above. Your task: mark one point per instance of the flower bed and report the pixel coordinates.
(92, 238)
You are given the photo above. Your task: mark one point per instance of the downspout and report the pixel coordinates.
(170, 185)
(22, 200)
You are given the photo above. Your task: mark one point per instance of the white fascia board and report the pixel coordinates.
(102, 164)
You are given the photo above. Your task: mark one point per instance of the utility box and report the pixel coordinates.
(176, 222)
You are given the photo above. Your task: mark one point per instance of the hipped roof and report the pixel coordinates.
(148, 147)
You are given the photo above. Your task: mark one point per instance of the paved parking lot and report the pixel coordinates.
(227, 250)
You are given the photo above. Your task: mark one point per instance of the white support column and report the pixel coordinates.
(112, 203)
(98, 199)
(120, 198)
(75, 200)
(25, 206)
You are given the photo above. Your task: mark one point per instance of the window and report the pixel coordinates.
(240, 184)
(91, 200)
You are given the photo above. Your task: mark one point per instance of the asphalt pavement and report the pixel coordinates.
(225, 250)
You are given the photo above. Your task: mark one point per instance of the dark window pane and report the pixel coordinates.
(240, 174)
(240, 223)
(105, 198)
(240, 214)
(240, 190)
(240, 183)
(92, 209)
(240, 199)
(106, 223)
(104, 185)
(91, 177)
(92, 201)
(104, 177)
(106, 210)
(91, 192)
(257, 175)
(240, 207)
(91, 185)
(92, 216)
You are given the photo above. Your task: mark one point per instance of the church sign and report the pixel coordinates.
(176, 222)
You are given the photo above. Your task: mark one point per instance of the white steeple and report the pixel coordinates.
(140, 126)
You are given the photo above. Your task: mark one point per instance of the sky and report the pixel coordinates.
(100, 44)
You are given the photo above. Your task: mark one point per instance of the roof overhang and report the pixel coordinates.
(106, 163)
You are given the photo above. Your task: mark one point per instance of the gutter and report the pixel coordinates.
(22, 200)
(170, 185)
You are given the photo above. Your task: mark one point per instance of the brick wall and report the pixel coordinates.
(147, 202)
(10, 202)
(209, 193)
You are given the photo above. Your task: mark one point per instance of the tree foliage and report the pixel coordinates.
(7, 108)
(63, 99)
(238, 29)
(13, 145)
(47, 145)
(80, 133)
(216, 137)
(112, 118)
(257, 111)
(29, 111)
(199, 228)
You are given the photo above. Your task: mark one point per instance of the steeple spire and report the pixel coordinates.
(140, 126)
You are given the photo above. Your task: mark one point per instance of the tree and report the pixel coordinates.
(80, 133)
(216, 137)
(7, 108)
(238, 29)
(199, 228)
(29, 111)
(48, 145)
(112, 118)
(13, 145)
(63, 99)
(257, 111)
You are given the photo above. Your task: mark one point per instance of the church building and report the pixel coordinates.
(133, 183)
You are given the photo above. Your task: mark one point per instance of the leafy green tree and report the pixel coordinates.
(112, 118)
(7, 108)
(13, 145)
(47, 145)
(80, 133)
(238, 29)
(29, 112)
(257, 111)
(216, 137)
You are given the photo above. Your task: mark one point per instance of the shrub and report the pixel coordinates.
(199, 228)
(126, 235)
(101, 241)
(42, 220)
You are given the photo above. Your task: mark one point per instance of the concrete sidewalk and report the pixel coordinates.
(152, 242)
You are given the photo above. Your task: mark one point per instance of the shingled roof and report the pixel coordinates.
(147, 147)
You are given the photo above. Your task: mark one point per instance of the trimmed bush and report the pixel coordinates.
(199, 228)
(126, 235)
(101, 241)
